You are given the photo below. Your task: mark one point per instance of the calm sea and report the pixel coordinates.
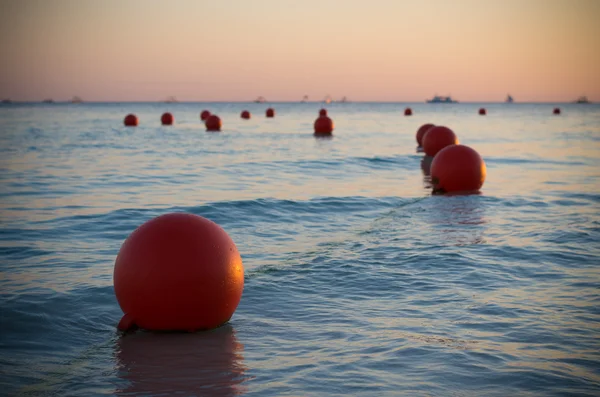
(358, 280)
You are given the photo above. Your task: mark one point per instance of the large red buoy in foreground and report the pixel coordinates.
(167, 119)
(323, 112)
(437, 138)
(408, 112)
(482, 112)
(556, 111)
(178, 272)
(204, 115)
(270, 112)
(457, 168)
(130, 120)
(323, 126)
(421, 132)
(213, 123)
(245, 115)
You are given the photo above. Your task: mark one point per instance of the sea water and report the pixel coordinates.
(357, 280)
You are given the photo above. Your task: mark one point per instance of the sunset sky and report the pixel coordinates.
(236, 50)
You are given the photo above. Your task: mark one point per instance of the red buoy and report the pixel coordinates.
(408, 112)
(421, 132)
(482, 111)
(457, 168)
(213, 123)
(167, 119)
(323, 112)
(178, 272)
(270, 112)
(204, 115)
(556, 111)
(437, 138)
(323, 126)
(245, 114)
(131, 120)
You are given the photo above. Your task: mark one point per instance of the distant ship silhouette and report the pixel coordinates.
(441, 99)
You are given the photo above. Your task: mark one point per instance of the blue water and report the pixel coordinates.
(358, 280)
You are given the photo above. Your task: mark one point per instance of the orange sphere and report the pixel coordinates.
(178, 272)
(457, 168)
(421, 132)
(482, 111)
(213, 123)
(131, 120)
(323, 126)
(167, 119)
(408, 112)
(323, 112)
(204, 115)
(270, 112)
(245, 114)
(437, 138)
(556, 111)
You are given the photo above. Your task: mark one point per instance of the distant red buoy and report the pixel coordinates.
(457, 168)
(408, 112)
(270, 112)
(556, 111)
(167, 119)
(245, 114)
(204, 115)
(323, 112)
(437, 138)
(131, 120)
(178, 272)
(213, 123)
(323, 126)
(482, 111)
(421, 132)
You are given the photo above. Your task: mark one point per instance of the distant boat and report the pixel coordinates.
(260, 99)
(76, 99)
(171, 99)
(304, 99)
(6, 100)
(344, 100)
(48, 101)
(327, 99)
(509, 99)
(441, 99)
(582, 99)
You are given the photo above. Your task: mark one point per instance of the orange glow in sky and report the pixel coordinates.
(237, 50)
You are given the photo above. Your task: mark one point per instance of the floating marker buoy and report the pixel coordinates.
(213, 123)
(437, 138)
(167, 119)
(421, 132)
(270, 112)
(178, 272)
(204, 115)
(323, 112)
(130, 120)
(482, 111)
(245, 115)
(408, 112)
(457, 168)
(556, 111)
(323, 126)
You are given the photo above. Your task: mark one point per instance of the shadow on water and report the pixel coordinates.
(426, 168)
(203, 364)
(459, 219)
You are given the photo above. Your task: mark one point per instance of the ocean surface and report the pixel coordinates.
(357, 280)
